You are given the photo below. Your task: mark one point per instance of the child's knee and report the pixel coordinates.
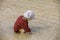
(22, 30)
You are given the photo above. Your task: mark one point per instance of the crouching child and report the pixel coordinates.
(21, 24)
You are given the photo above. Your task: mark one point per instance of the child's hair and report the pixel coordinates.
(29, 14)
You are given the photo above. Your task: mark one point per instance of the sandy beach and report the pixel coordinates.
(46, 25)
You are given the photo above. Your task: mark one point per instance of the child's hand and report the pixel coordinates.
(30, 32)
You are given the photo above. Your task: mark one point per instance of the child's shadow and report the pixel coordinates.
(38, 29)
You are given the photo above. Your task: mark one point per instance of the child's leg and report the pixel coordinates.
(22, 30)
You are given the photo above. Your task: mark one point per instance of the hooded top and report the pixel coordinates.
(21, 24)
(29, 14)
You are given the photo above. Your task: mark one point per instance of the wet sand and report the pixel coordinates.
(46, 25)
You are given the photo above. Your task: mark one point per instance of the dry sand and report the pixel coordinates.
(46, 25)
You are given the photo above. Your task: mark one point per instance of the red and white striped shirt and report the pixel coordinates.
(21, 24)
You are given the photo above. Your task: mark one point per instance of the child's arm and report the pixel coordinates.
(27, 29)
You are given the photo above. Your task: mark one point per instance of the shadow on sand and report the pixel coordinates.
(12, 35)
(38, 28)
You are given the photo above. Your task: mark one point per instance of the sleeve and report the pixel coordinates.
(25, 27)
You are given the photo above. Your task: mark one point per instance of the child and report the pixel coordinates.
(21, 25)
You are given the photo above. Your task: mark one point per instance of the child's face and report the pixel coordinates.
(29, 19)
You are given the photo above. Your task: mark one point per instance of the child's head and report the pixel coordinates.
(29, 15)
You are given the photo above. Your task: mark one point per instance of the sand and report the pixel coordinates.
(45, 26)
